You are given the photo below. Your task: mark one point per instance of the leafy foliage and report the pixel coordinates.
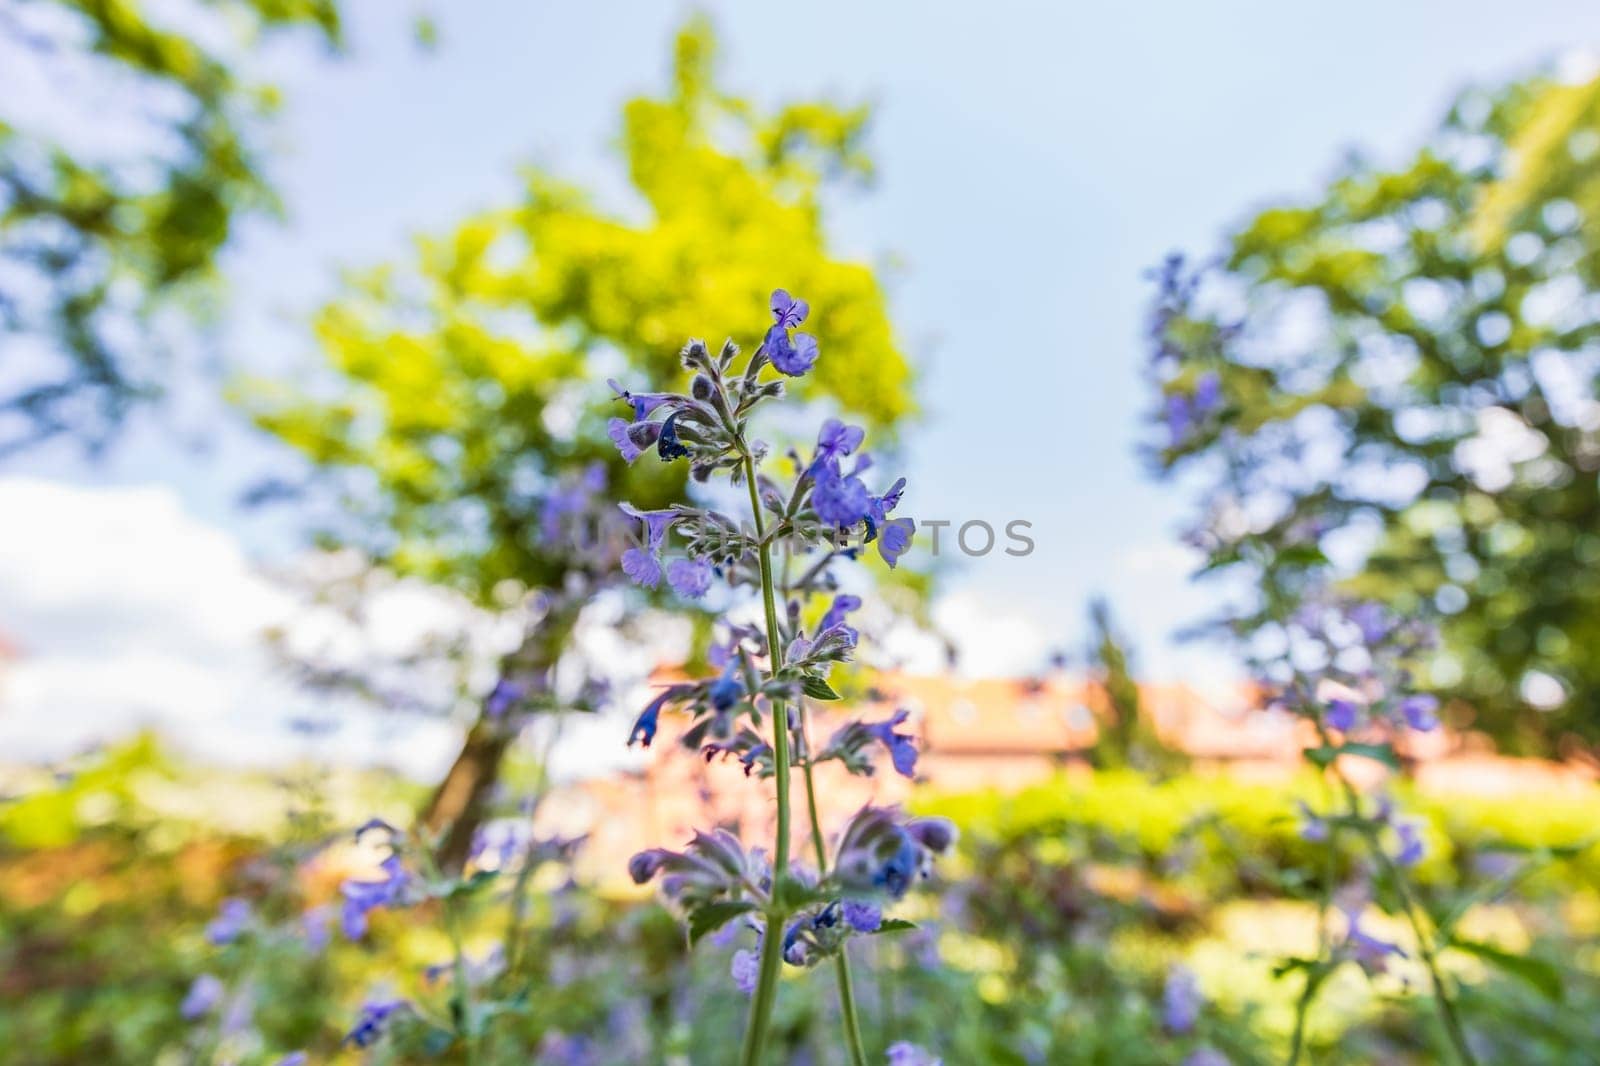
(94, 242)
(1403, 369)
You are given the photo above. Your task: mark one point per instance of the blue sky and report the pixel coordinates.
(1034, 160)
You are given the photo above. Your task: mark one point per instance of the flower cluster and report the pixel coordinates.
(753, 707)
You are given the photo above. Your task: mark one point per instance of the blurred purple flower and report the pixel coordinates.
(902, 752)
(1181, 1001)
(203, 996)
(232, 917)
(746, 970)
(1341, 715)
(374, 1018)
(905, 1053)
(361, 897)
(1421, 712)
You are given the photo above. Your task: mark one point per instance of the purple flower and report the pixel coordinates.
(294, 1058)
(905, 1053)
(644, 727)
(1372, 620)
(838, 611)
(726, 690)
(1180, 1001)
(882, 505)
(1313, 827)
(203, 996)
(314, 928)
(617, 430)
(788, 312)
(1421, 712)
(835, 441)
(793, 359)
(790, 357)
(902, 751)
(1341, 715)
(689, 577)
(643, 402)
(840, 500)
(1370, 953)
(1207, 393)
(230, 921)
(863, 916)
(746, 970)
(1411, 846)
(642, 566)
(895, 540)
(363, 896)
(374, 1018)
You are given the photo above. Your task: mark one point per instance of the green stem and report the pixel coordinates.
(841, 962)
(755, 1035)
(1441, 995)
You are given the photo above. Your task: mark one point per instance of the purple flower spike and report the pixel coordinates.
(788, 312)
(689, 577)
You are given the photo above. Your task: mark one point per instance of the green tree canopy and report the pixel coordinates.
(100, 230)
(464, 380)
(1402, 374)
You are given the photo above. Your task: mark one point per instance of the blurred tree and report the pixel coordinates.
(1128, 737)
(1403, 374)
(126, 162)
(468, 383)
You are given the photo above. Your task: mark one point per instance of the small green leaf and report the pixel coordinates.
(1542, 976)
(713, 916)
(818, 689)
(893, 925)
(792, 895)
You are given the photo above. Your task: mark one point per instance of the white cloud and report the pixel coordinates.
(129, 614)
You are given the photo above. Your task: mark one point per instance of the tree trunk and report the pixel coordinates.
(459, 805)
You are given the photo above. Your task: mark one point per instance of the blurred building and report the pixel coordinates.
(1004, 734)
